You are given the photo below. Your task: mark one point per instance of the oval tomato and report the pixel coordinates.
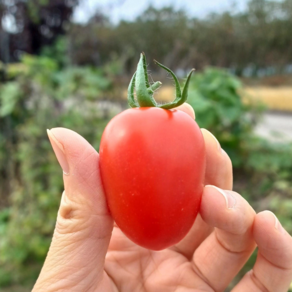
(152, 164)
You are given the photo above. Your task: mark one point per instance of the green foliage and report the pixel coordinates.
(58, 51)
(43, 94)
(10, 95)
(215, 97)
(263, 173)
(262, 170)
(40, 97)
(270, 184)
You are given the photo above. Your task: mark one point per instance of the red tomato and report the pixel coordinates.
(152, 165)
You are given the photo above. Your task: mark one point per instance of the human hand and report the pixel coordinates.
(90, 253)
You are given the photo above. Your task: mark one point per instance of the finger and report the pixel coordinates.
(273, 268)
(188, 109)
(219, 173)
(84, 225)
(220, 257)
(218, 163)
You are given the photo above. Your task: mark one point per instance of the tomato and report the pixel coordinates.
(152, 163)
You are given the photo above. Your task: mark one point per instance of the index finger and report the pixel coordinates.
(218, 163)
(218, 173)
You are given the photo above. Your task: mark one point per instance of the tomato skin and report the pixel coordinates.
(152, 164)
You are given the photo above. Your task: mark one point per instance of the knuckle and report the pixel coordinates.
(71, 218)
(243, 217)
(78, 218)
(257, 282)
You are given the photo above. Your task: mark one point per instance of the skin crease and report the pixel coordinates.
(89, 253)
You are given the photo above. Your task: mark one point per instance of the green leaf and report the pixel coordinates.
(9, 95)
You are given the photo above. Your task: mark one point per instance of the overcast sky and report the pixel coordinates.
(129, 9)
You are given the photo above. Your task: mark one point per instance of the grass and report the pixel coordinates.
(15, 289)
(275, 98)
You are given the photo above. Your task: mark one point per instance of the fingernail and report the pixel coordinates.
(218, 144)
(59, 152)
(229, 198)
(278, 225)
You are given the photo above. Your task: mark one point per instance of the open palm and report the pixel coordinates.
(90, 253)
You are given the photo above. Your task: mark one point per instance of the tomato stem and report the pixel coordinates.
(145, 91)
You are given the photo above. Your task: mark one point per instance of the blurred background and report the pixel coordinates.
(68, 63)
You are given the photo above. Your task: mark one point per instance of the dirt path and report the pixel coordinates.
(276, 127)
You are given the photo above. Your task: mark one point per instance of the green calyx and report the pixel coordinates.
(145, 91)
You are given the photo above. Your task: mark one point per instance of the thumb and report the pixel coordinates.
(83, 230)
